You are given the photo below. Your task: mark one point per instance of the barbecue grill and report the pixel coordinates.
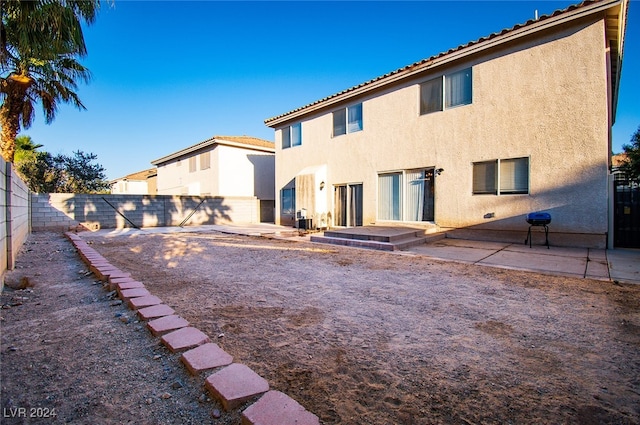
(538, 219)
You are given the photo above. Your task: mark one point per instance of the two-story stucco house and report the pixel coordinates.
(472, 139)
(139, 183)
(224, 166)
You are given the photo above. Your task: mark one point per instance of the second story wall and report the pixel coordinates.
(544, 99)
(243, 172)
(189, 175)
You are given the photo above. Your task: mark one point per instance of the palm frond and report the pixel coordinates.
(27, 114)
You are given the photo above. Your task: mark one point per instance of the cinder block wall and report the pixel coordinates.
(14, 216)
(64, 210)
(3, 219)
(20, 218)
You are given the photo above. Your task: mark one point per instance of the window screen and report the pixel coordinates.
(355, 117)
(484, 178)
(514, 175)
(458, 88)
(340, 122)
(431, 96)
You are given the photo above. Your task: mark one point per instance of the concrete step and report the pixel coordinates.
(407, 240)
(376, 233)
(431, 237)
(382, 246)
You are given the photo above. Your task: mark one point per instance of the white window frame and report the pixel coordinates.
(442, 85)
(405, 213)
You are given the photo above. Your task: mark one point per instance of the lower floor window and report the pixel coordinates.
(501, 177)
(288, 201)
(406, 195)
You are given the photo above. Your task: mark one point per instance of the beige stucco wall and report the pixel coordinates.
(546, 100)
(131, 187)
(174, 178)
(243, 172)
(232, 172)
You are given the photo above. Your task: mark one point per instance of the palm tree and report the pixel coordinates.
(31, 24)
(25, 148)
(38, 67)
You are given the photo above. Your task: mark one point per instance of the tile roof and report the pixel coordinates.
(619, 159)
(421, 64)
(139, 175)
(246, 142)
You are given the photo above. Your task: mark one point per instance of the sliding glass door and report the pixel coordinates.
(419, 195)
(348, 205)
(389, 196)
(406, 196)
(355, 205)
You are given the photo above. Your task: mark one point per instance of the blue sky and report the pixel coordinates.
(169, 74)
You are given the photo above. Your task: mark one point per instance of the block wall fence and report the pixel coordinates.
(61, 211)
(14, 216)
(22, 212)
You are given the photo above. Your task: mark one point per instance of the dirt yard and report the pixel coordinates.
(356, 336)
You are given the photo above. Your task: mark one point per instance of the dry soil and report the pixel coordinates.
(356, 336)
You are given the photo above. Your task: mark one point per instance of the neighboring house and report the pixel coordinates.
(471, 139)
(224, 166)
(140, 183)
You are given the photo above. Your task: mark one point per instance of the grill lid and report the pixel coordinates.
(539, 218)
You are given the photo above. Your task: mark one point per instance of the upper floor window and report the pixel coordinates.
(501, 177)
(205, 160)
(347, 120)
(192, 164)
(456, 87)
(292, 136)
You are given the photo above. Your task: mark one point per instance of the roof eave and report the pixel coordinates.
(245, 146)
(210, 142)
(618, 25)
(183, 152)
(445, 58)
